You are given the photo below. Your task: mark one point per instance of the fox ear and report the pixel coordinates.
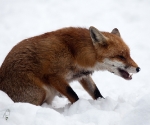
(96, 36)
(116, 32)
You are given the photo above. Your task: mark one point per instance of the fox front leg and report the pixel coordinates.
(89, 85)
(63, 87)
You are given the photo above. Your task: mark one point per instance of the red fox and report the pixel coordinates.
(38, 68)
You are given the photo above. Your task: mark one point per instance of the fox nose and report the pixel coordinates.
(138, 69)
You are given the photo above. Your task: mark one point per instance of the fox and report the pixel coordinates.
(40, 67)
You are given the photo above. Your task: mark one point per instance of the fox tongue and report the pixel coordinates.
(125, 74)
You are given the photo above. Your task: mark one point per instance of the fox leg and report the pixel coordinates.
(34, 92)
(35, 95)
(63, 87)
(89, 85)
(24, 90)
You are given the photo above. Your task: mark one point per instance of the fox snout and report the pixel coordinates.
(122, 69)
(127, 73)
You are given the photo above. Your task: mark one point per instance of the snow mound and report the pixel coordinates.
(83, 112)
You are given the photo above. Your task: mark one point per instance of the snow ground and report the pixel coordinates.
(125, 103)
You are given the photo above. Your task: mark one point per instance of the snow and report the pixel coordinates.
(125, 103)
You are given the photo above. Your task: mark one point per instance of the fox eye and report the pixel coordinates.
(121, 57)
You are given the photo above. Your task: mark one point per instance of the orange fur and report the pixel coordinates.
(54, 59)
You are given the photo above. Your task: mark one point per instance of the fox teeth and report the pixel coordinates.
(130, 75)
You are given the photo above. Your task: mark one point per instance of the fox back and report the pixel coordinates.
(38, 68)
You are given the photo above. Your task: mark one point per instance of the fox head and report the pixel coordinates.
(112, 53)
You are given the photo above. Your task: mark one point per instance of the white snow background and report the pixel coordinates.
(125, 103)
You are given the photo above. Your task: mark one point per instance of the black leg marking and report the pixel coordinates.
(97, 93)
(72, 94)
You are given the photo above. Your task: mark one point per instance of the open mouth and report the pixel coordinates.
(125, 74)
